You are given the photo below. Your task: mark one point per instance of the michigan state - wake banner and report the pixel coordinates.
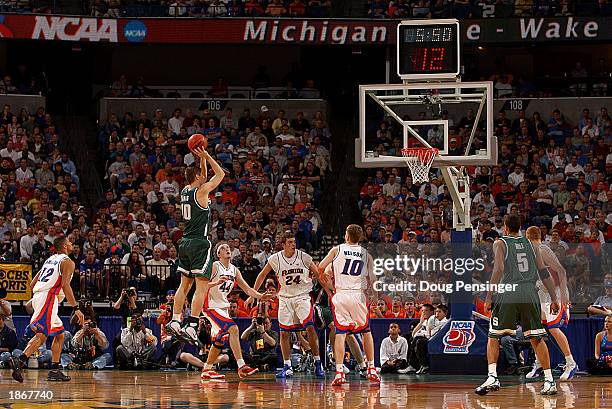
(290, 31)
(15, 278)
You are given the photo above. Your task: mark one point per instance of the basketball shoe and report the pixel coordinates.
(286, 372)
(211, 375)
(339, 380)
(570, 371)
(549, 388)
(373, 375)
(245, 371)
(491, 384)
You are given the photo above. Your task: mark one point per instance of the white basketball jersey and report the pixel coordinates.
(50, 278)
(349, 267)
(293, 274)
(217, 295)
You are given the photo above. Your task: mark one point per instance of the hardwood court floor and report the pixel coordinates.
(181, 389)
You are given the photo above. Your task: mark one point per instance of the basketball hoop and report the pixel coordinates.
(419, 161)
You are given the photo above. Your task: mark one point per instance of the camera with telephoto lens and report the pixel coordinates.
(137, 322)
(262, 310)
(92, 325)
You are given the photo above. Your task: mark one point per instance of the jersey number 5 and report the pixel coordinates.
(522, 262)
(352, 267)
(186, 211)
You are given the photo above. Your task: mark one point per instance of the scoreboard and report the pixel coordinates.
(428, 49)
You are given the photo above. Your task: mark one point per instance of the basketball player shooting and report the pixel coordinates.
(195, 250)
(352, 267)
(50, 286)
(554, 322)
(517, 262)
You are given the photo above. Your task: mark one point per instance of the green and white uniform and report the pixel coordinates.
(523, 305)
(195, 250)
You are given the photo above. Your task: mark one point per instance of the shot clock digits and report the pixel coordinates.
(428, 49)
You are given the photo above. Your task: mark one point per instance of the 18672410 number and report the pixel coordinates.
(30, 395)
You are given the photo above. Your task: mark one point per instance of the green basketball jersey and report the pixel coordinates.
(520, 263)
(196, 217)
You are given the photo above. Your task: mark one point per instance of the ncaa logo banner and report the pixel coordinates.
(459, 337)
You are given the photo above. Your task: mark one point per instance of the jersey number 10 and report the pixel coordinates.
(186, 211)
(352, 267)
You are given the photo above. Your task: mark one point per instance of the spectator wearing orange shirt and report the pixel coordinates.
(162, 174)
(234, 296)
(297, 8)
(276, 9)
(253, 8)
(236, 312)
(229, 195)
(396, 310)
(380, 310)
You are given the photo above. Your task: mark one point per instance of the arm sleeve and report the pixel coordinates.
(403, 351)
(126, 340)
(384, 351)
(104, 343)
(78, 334)
(12, 341)
(150, 334)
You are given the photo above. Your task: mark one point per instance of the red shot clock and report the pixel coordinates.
(428, 49)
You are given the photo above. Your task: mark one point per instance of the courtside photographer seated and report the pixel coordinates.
(88, 345)
(138, 345)
(262, 344)
(197, 360)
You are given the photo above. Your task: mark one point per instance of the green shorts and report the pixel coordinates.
(195, 258)
(517, 307)
(323, 317)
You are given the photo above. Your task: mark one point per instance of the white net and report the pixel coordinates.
(419, 162)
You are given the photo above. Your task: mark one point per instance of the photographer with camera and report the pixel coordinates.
(88, 344)
(198, 360)
(170, 345)
(262, 343)
(128, 305)
(138, 345)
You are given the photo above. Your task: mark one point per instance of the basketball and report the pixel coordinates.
(197, 140)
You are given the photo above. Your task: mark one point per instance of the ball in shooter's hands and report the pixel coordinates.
(197, 140)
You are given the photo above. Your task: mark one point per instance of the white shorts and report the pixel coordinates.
(45, 318)
(295, 313)
(220, 323)
(350, 311)
(558, 320)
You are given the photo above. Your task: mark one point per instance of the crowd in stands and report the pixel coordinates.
(213, 8)
(39, 189)
(294, 86)
(554, 174)
(22, 82)
(483, 9)
(319, 8)
(275, 165)
(576, 82)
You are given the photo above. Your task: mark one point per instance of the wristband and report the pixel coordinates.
(544, 273)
